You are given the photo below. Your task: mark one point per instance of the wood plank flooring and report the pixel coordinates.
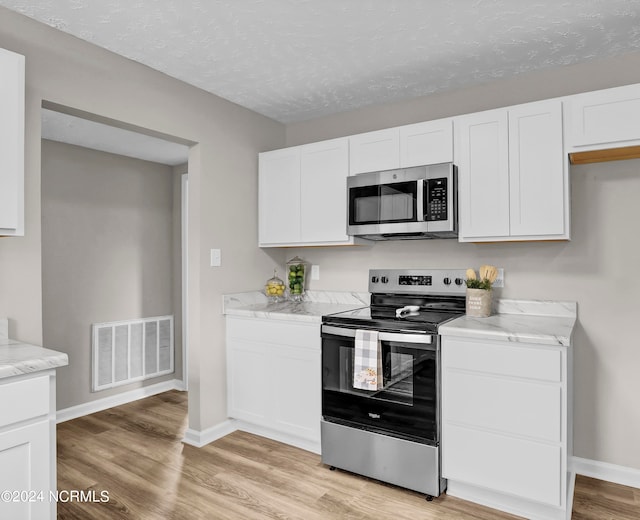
(134, 452)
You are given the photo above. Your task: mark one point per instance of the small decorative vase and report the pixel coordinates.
(478, 303)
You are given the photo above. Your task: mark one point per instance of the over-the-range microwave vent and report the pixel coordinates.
(410, 236)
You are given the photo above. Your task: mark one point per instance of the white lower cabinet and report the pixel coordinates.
(27, 447)
(274, 379)
(505, 413)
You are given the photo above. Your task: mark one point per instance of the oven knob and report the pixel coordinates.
(374, 279)
(459, 281)
(447, 281)
(384, 279)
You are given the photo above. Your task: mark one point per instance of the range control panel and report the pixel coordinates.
(414, 279)
(417, 281)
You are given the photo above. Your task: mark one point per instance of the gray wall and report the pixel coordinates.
(595, 268)
(107, 255)
(223, 179)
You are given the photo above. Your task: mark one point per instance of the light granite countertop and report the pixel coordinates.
(18, 358)
(519, 321)
(315, 305)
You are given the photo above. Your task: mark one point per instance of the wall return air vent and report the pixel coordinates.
(133, 350)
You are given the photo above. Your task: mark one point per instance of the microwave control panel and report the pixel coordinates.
(436, 197)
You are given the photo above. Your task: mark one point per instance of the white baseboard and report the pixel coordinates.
(291, 440)
(73, 412)
(201, 438)
(605, 471)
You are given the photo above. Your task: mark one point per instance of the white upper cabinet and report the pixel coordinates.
(279, 196)
(374, 151)
(482, 158)
(324, 168)
(605, 118)
(303, 195)
(426, 143)
(513, 175)
(11, 143)
(537, 182)
(430, 142)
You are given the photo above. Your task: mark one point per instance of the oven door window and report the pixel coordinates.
(386, 203)
(406, 405)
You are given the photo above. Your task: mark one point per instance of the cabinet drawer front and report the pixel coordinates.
(516, 407)
(517, 360)
(607, 116)
(22, 400)
(518, 467)
(277, 332)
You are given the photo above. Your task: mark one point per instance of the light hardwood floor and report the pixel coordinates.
(135, 453)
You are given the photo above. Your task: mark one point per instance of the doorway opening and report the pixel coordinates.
(114, 239)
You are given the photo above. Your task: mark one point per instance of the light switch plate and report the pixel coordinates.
(315, 272)
(216, 258)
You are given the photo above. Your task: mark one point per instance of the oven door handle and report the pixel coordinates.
(400, 337)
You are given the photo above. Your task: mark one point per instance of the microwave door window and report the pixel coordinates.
(365, 205)
(366, 210)
(398, 202)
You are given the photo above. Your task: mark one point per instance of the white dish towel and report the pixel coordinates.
(367, 361)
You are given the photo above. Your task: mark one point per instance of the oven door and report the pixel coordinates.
(406, 407)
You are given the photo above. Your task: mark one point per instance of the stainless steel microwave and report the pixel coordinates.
(408, 203)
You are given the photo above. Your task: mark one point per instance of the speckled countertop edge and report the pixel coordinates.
(520, 321)
(316, 304)
(18, 358)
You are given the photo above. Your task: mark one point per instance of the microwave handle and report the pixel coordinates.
(420, 202)
(425, 339)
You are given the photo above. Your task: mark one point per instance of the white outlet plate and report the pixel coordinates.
(500, 280)
(315, 272)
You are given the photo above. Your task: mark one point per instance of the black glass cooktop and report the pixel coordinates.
(383, 314)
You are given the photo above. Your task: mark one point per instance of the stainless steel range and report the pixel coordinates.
(391, 433)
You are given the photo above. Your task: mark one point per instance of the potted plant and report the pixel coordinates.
(479, 291)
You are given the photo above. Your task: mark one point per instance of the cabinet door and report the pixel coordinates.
(249, 381)
(483, 175)
(279, 196)
(605, 117)
(11, 143)
(25, 467)
(323, 187)
(297, 391)
(426, 143)
(537, 180)
(374, 151)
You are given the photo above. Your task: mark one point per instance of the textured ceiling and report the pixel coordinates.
(298, 59)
